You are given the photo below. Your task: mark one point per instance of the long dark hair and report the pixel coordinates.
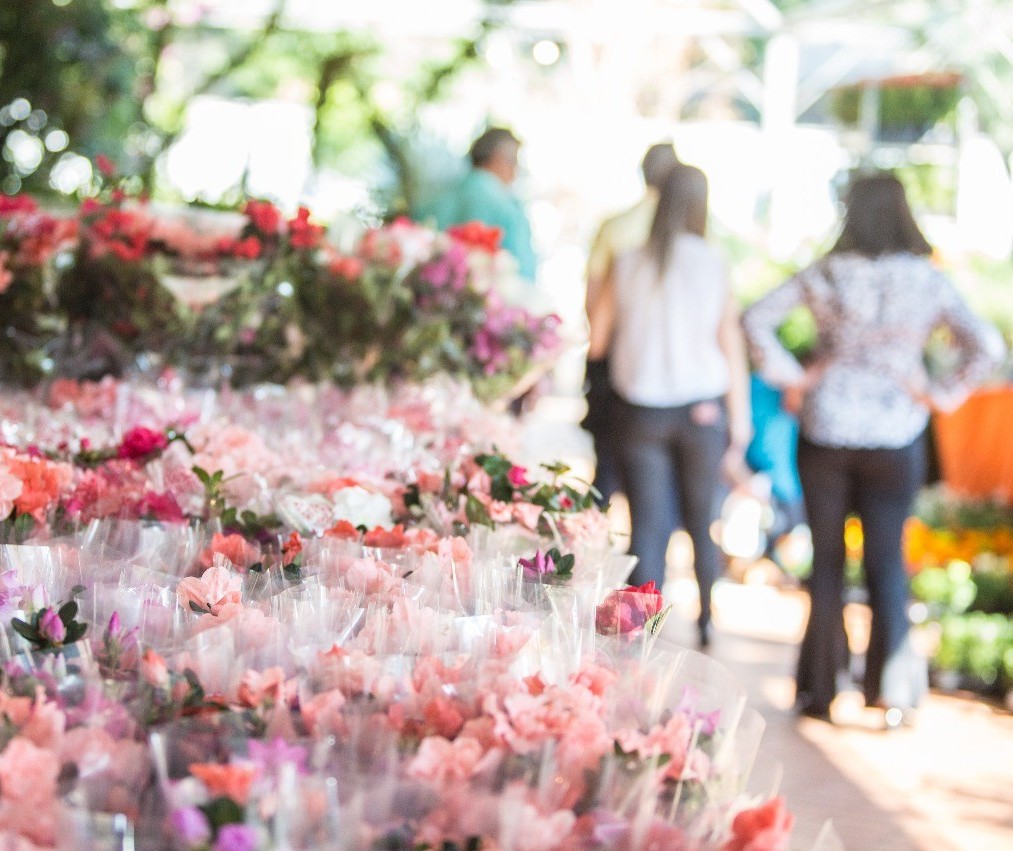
(682, 208)
(879, 220)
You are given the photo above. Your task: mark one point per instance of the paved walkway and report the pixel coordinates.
(945, 784)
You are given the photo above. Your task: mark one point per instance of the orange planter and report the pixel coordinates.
(975, 445)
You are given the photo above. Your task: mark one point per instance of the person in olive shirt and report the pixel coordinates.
(618, 234)
(485, 195)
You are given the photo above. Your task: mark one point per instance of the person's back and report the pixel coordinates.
(665, 349)
(873, 317)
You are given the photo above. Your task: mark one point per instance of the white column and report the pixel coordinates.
(780, 96)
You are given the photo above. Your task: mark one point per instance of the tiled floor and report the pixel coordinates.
(945, 784)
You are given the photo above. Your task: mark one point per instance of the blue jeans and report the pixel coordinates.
(670, 464)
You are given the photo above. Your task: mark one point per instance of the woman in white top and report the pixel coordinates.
(864, 404)
(678, 368)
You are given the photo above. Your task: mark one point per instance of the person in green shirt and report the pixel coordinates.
(485, 195)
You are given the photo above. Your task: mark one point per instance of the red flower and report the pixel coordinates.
(302, 233)
(105, 165)
(386, 538)
(349, 268)
(249, 248)
(141, 442)
(477, 235)
(264, 216)
(291, 548)
(764, 828)
(160, 506)
(343, 530)
(11, 205)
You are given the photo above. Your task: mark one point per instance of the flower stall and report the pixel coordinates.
(322, 618)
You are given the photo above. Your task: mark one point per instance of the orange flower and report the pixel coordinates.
(386, 538)
(231, 781)
(343, 530)
(234, 547)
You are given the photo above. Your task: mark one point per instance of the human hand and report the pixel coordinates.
(734, 468)
(793, 396)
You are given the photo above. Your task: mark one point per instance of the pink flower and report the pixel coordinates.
(529, 830)
(527, 514)
(443, 761)
(518, 476)
(10, 490)
(234, 547)
(51, 627)
(140, 442)
(628, 610)
(212, 592)
(160, 506)
(764, 828)
(28, 773)
(46, 725)
(6, 276)
(540, 565)
(154, 671)
(256, 687)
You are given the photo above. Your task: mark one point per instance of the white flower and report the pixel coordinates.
(360, 507)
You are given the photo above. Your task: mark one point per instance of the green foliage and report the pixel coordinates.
(977, 644)
(67, 62)
(919, 107)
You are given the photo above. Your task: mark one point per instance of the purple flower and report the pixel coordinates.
(191, 826)
(274, 755)
(708, 721)
(236, 837)
(9, 590)
(113, 630)
(51, 627)
(538, 566)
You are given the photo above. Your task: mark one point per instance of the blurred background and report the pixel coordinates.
(363, 111)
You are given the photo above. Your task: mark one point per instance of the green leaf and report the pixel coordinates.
(75, 632)
(655, 624)
(557, 468)
(477, 513)
(564, 567)
(67, 612)
(25, 630)
(256, 567)
(222, 811)
(23, 526)
(202, 474)
(198, 609)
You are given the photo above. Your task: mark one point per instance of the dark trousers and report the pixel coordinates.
(671, 467)
(601, 423)
(878, 485)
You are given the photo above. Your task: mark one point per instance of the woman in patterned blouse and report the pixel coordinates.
(863, 403)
